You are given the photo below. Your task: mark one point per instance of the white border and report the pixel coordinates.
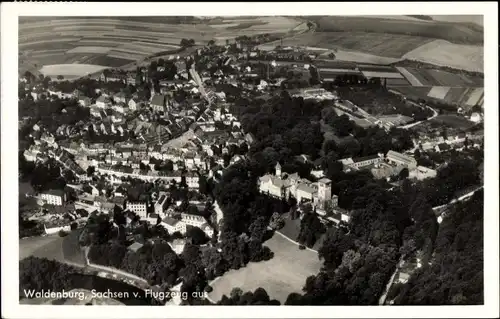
(10, 280)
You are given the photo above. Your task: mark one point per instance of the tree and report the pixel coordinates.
(60, 77)
(197, 236)
(258, 228)
(404, 173)
(211, 42)
(277, 221)
(90, 170)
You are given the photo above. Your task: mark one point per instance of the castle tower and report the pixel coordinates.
(278, 170)
(324, 190)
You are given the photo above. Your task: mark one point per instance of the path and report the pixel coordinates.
(382, 298)
(296, 243)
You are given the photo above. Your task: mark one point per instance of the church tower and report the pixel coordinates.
(278, 170)
(324, 190)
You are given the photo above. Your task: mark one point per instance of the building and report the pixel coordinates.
(84, 101)
(158, 103)
(161, 204)
(120, 97)
(192, 180)
(135, 247)
(422, 172)
(49, 230)
(403, 278)
(361, 162)
(282, 185)
(103, 102)
(173, 225)
(178, 246)
(442, 147)
(208, 230)
(55, 197)
(401, 160)
(476, 117)
(134, 104)
(139, 208)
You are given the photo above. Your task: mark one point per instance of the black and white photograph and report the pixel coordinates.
(250, 154)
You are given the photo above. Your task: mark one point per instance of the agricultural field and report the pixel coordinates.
(458, 96)
(444, 53)
(285, 273)
(388, 39)
(117, 41)
(462, 33)
(379, 44)
(453, 121)
(433, 77)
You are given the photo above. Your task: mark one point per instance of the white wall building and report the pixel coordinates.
(54, 197)
(139, 208)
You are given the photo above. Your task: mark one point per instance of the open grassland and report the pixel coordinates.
(285, 273)
(70, 69)
(129, 39)
(63, 249)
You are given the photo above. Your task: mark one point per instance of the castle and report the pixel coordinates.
(283, 185)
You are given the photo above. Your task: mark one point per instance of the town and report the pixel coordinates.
(171, 174)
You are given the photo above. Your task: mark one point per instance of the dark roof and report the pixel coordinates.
(171, 221)
(444, 146)
(364, 158)
(158, 100)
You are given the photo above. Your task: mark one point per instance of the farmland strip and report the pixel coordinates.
(409, 76)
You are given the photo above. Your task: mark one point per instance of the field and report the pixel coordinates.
(285, 273)
(387, 39)
(459, 96)
(117, 41)
(465, 33)
(379, 44)
(444, 53)
(67, 70)
(453, 121)
(432, 77)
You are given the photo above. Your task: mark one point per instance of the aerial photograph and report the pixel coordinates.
(251, 160)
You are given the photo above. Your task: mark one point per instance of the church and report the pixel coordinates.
(283, 185)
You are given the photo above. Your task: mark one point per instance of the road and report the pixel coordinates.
(459, 199)
(417, 105)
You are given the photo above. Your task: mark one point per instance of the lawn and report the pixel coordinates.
(285, 273)
(63, 249)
